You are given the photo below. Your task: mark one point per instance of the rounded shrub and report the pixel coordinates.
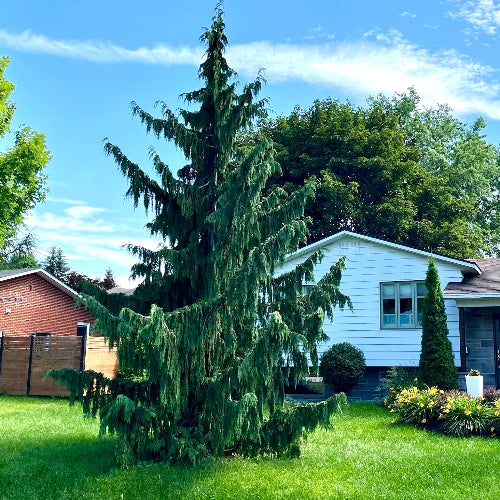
(342, 365)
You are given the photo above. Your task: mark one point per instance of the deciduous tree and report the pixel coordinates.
(22, 182)
(390, 170)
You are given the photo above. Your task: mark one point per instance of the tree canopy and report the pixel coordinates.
(22, 182)
(206, 340)
(393, 171)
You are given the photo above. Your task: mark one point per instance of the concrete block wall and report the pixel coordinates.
(480, 342)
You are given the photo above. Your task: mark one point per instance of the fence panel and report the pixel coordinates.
(15, 364)
(52, 353)
(100, 358)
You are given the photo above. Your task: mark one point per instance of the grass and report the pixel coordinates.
(49, 451)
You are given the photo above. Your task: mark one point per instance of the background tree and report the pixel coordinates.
(109, 280)
(17, 252)
(436, 366)
(56, 264)
(22, 182)
(389, 170)
(207, 360)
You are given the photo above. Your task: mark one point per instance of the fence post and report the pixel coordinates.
(1, 351)
(29, 367)
(84, 352)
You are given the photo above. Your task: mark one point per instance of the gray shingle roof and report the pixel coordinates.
(13, 272)
(487, 282)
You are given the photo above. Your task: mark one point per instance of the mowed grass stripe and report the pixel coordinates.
(49, 451)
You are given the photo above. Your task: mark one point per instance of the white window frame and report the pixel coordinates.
(414, 297)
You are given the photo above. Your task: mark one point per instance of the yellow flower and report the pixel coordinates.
(492, 429)
(421, 405)
(467, 412)
(393, 421)
(415, 379)
(424, 420)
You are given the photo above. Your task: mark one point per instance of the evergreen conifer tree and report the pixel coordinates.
(436, 367)
(205, 341)
(56, 264)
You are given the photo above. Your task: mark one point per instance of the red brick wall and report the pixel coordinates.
(37, 306)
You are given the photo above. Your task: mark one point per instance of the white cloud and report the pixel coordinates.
(99, 52)
(408, 14)
(92, 238)
(387, 65)
(381, 62)
(483, 15)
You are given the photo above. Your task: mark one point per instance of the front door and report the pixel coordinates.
(496, 334)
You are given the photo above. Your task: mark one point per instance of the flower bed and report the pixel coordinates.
(454, 413)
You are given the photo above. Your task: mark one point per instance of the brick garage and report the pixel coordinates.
(32, 301)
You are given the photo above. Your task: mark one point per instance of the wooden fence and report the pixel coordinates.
(25, 360)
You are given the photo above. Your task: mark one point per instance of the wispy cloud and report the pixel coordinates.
(380, 62)
(408, 14)
(99, 52)
(483, 15)
(92, 239)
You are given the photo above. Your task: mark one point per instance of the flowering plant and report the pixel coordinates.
(417, 406)
(474, 373)
(462, 415)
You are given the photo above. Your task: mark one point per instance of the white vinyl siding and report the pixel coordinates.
(368, 265)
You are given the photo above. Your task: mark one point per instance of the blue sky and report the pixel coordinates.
(78, 65)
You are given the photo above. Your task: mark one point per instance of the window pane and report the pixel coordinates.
(389, 312)
(388, 291)
(421, 290)
(406, 290)
(405, 311)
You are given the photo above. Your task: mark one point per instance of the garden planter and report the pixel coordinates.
(474, 385)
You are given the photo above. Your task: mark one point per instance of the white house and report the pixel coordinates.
(385, 284)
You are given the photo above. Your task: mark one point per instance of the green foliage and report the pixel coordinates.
(436, 366)
(453, 412)
(22, 182)
(395, 380)
(17, 252)
(342, 365)
(392, 171)
(206, 341)
(463, 415)
(417, 406)
(56, 264)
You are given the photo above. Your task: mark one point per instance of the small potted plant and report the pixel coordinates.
(474, 383)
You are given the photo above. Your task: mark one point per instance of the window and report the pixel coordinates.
(402, 303)
(82, 329)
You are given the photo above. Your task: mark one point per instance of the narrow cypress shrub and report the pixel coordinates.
(436, 367)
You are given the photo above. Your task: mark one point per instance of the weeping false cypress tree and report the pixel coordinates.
(207, 339)
(437, 366)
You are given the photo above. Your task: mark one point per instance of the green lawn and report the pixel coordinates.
(49, 451)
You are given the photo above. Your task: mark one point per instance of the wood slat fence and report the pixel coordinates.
(25, 360)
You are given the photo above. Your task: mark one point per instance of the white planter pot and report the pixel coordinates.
(474, 385)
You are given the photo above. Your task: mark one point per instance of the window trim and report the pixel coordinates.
(397, 325)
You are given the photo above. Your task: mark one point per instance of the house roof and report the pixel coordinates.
(17, 273)
(487, 283)
(469, 267)
(119, 289)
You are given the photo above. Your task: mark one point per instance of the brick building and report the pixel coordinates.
(33, 301)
